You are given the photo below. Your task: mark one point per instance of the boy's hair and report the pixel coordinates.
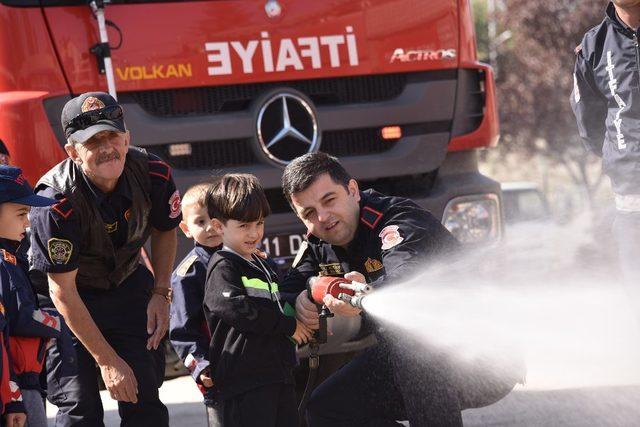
(239, 197)
(196, 195)
(304, 170)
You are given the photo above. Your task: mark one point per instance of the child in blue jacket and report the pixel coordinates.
(29, 328)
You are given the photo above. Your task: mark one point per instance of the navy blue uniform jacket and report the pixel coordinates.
(188, 329)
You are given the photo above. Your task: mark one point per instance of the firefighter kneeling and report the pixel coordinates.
(371, 238)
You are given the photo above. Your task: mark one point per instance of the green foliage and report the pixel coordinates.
(536, 72)
(479, 8)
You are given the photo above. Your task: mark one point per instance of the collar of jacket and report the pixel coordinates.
(208, 249)
(100, 196)
(10, 246)
(612, 18)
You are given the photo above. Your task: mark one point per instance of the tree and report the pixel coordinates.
(536, 79)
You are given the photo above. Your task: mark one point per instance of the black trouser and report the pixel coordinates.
(72, 377)
(382, 385)
(272, 405)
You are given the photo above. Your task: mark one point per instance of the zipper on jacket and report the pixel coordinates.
(635, 43)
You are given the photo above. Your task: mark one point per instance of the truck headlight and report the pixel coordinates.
(474, 219)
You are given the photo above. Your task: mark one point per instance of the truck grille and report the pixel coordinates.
(238, 152)
(222, 99)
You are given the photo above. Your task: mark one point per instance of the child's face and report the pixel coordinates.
(196, 225)
(14, 220)
(242, 237)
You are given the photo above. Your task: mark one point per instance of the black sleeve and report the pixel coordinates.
(589, 106)
(420, 240)
(55, 236)
(226, 298)
(165, 198)
(187, 322)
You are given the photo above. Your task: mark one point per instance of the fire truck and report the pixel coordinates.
(391, 87)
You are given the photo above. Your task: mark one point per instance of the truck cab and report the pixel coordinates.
(391, 87)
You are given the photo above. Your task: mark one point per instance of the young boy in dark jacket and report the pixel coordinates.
(187, 327)
(251, 354)
(29, 327)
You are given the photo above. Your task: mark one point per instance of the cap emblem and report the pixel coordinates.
(91, 103)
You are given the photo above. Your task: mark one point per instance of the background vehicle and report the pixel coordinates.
(524, 202)
(392, 87)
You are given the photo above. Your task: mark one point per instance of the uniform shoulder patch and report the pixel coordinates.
(160, 169)
(10, 258)
(370, 217)
(182, 269)
(59, 250)
(174, 205)
(63, 208)
(390, 236)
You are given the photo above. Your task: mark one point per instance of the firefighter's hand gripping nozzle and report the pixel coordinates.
(338, 287)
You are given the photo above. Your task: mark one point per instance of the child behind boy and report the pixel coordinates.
(250, 354)
(188, 328)
(29, 327)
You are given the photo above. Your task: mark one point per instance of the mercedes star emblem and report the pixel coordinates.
(273, 9)
(287, 127)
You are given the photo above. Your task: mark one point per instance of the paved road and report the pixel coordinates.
(597, 407)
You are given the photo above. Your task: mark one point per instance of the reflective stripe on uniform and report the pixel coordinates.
(259, 288)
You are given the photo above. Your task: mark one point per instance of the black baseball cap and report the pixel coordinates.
(15, 188)
(90, 113)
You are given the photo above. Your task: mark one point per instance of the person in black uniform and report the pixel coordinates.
(252, 353)
(111, 198)
(606, 103)
(369, 237)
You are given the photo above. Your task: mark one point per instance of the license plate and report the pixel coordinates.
(283, 245)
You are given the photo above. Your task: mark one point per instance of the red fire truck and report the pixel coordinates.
(391, 87)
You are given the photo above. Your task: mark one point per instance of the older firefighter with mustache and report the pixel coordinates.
(111, 198)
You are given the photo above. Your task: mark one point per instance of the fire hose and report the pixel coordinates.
(317, 288)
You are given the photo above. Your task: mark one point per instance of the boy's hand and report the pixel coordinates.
(16, 420)
(306, 311)
(205, 379)
(303, 333)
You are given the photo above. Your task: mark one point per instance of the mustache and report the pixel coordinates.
(107, 157)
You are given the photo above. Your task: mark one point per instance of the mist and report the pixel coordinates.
(547, 295)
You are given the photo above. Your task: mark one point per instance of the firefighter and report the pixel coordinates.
(111, 198)
(606, 103)
(368, 237)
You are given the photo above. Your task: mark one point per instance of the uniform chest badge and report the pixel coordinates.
(372, 265)
(59, 250)
(332, 269)
(390, 236)
(174, 205)
(186, 264)
(111, 228)
(10, 258)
